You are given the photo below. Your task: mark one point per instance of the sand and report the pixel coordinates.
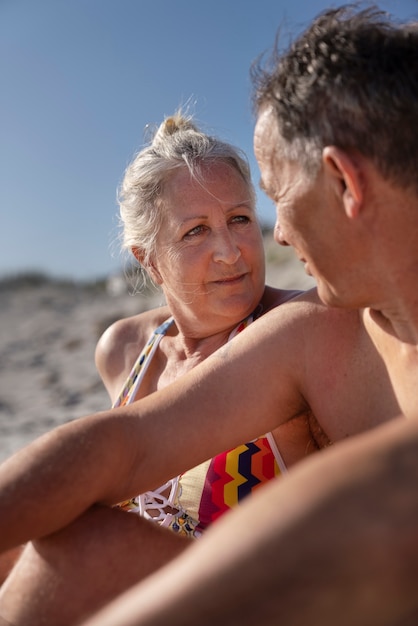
(48, 334)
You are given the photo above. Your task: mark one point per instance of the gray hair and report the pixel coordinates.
(349, 80)
(177, 143)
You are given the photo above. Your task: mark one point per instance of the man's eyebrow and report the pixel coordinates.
(262, 186)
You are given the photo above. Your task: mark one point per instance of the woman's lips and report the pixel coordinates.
(231, 280)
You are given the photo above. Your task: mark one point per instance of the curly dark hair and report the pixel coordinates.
(350, 80)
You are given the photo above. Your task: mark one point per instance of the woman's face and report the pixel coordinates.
(209, 256)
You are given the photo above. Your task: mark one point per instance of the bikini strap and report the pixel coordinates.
(246, 322)
(140, 367)
(142, 363)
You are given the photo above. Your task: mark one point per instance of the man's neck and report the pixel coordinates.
(396, 340)
(401, 322)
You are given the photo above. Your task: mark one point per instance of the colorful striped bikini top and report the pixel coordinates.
(190, 502)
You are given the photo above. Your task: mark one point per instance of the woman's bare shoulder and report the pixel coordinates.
(121, 343)
(135, 328)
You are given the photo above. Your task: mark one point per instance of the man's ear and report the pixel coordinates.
(343, 167)
(148, 266)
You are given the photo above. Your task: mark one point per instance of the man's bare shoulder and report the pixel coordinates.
(299, 335)
(301, 325)
(273, 297)
(307, 305)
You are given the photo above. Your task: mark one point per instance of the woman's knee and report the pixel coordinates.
(77, 570)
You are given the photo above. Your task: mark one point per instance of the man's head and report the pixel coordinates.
(349, 80)
(336, 139)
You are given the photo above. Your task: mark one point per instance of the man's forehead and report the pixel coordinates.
(265, 143)
(265, 128)
(266, 140)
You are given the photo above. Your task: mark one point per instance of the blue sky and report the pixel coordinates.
(80, 80)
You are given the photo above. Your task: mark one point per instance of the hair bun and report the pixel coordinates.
(171, 125)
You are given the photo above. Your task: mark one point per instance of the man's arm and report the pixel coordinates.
(335, 541)
(116, 454)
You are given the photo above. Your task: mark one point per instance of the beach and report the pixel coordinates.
(48, 333)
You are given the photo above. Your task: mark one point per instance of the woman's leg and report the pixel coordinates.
(67, 576)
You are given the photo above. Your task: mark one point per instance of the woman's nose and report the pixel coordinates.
(226, 249)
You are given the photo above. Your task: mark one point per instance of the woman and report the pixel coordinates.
(188, 210)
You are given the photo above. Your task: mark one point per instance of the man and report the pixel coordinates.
(286, 554)
(337, 540)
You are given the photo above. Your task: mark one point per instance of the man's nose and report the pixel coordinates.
(278, 235)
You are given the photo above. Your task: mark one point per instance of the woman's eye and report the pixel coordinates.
(241, 219)
(197, 230)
